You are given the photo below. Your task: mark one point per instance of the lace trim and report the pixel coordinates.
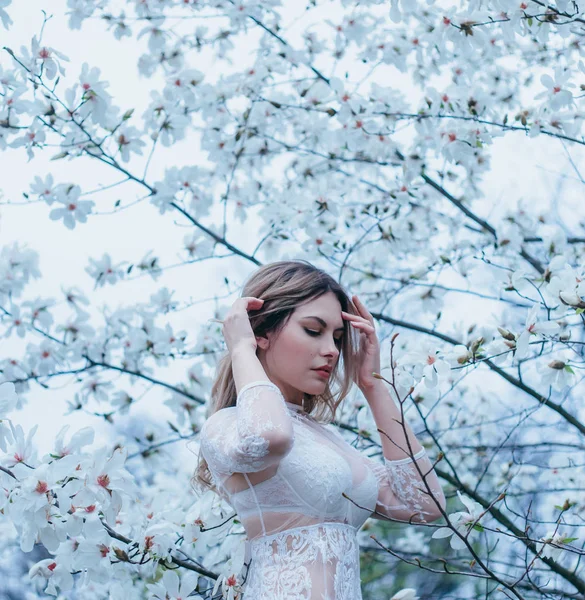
(284, 563)
(405, 482)
(408, 459)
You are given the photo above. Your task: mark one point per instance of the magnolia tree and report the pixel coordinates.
(359, 136)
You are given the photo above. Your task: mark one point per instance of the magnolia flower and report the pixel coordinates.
(458, 355)
(556, 373)
(56, 572)
(97, 388)
(45, 357)
(162, 300)
(96, 101)
(33, 136)
(21, 451)
(229, 579)
(17, 323)
(428, 365)
(103, 271)
(171, 588)
(128, 140)
(533, 327)
(48, 57)
(557, 93)
(121, 401)
(106, 481)
(78, 440)
(552, 544)
(231, 586)
(182, 85)
(197, 245)
(462, 522)
(73, 209)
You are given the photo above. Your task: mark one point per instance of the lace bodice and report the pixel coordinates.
(302, 491)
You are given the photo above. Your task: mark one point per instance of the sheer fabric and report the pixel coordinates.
(286, 475)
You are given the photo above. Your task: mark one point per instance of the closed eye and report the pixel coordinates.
(318, 333)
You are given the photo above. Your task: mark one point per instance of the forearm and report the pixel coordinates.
(397, 435)
(246, 367)
(265, 431)
(406, 460)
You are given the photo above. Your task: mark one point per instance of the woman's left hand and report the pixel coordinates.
(369, 352)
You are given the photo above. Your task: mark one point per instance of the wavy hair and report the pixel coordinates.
(284, 286)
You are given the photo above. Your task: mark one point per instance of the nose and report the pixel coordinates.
(331, 349)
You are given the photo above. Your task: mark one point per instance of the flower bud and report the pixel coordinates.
(557, 364)
(507, 335)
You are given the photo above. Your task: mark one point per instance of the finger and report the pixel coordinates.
(252, 303)
(362, 309)
(367, 326)
(349, 317)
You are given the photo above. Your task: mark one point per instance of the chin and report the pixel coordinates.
(318, 388)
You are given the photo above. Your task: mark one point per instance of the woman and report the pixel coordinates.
(300, 490)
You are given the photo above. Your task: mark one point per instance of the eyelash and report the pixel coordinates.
(317, 333)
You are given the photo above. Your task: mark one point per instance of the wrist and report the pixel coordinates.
(244, 349)
(374, 389)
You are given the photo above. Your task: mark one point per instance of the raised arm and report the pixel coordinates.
(259, 433)
(404, 492)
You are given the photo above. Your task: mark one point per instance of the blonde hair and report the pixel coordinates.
(285, 285)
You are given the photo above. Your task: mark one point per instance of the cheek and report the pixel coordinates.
(298, 347)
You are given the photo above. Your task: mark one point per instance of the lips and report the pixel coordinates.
(325, 373)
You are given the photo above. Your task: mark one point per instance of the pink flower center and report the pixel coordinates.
(42, 487)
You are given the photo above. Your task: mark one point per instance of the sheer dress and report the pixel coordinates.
(302, 492)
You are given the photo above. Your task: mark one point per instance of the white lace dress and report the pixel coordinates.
(286, 475)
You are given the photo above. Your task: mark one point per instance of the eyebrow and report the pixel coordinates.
(323, 322)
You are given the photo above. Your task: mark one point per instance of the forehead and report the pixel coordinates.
(326, 306)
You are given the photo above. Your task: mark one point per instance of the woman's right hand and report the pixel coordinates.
(237, 330)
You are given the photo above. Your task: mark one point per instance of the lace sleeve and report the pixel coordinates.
(402, 494)
(254, 436)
